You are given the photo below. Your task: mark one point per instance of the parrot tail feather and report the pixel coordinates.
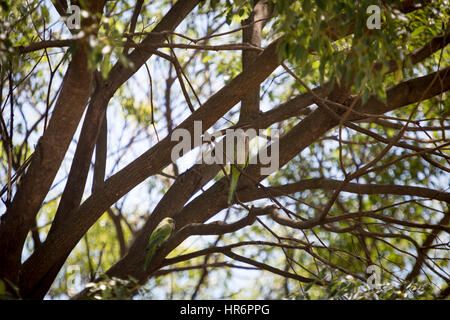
(149, 257)
(230, 198)
(233, 186)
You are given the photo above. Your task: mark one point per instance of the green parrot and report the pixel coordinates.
(161, 233)
(235, 173)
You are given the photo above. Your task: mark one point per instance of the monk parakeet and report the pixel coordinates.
(161, 233)
(235, 173)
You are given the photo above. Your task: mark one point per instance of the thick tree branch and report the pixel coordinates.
(60, 6)
(49, 153)
(331, 184)
(251, 34)
(220, 227)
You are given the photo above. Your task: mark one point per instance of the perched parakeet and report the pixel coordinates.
(161, 233)
(235, 173)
